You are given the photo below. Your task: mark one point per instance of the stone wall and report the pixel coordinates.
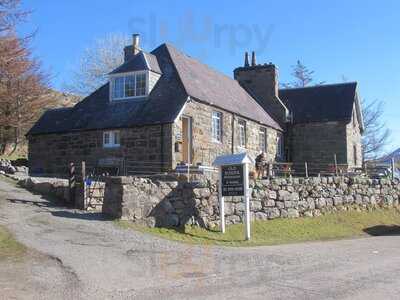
(316, 143)
(58, 189)
(54, 187)
(168, 202)
(51, 153)
(353, 134)
(205, 150)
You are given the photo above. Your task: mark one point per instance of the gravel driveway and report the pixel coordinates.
(91, 258)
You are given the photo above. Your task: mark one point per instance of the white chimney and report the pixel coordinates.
(135, 43)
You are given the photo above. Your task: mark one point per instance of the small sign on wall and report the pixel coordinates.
(178, 137)
(232, 180)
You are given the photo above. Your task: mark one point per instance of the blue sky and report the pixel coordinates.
(355, 39)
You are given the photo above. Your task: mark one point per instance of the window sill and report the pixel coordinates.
(128, 98)
(217, 142)
(111, 146)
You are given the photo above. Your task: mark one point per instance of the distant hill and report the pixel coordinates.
(52, 99)
(61, 99)
(387, 159)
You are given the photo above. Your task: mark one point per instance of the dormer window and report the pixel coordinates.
(128, 86)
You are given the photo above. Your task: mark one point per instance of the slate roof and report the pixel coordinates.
(205, 84)
(331, 102)
(142, 61)
(182, 77)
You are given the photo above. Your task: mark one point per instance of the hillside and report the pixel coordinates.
(53, 99)
(388, 158)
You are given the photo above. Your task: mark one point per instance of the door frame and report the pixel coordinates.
(190, 138)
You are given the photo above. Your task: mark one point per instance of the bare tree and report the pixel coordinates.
(10, 15)
(97, 60)
(376, 135)
(303, 76)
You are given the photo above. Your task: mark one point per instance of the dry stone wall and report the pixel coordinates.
(166, 201)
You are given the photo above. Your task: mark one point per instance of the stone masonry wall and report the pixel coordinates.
(167, 202)
(51, 154)
(205, 150)
(354, 150)
(261, 81)
(316, 143)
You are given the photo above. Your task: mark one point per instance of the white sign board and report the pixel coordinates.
(234, 181)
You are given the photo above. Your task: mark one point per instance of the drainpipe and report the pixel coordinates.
(233, 133)
(162, 147)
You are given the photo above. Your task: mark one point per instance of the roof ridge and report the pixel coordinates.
(198, 61)
(170, 48)
(319, 86)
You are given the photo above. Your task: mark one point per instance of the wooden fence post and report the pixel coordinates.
(71, 183)
(269, 170)
(336, 166)
(393, 168)
(84, 184)
(306, 169)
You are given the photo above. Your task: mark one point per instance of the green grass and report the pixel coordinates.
(13, 156)
(9, 247)
(348, 224)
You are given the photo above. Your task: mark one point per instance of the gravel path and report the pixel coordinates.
(91, 258)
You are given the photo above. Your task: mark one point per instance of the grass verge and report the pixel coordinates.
(9, 247)
(347, 224)
(13, 156)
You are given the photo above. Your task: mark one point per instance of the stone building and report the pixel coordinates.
(163, 108)
(326, 120)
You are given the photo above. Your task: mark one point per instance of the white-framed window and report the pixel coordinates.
(111, 139)
(262, 136)
(118, 88)
(216, 126)
(280, 153)
(141, 84)
(128, 86)
(242, 133)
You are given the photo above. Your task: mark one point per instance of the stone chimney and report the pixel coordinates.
(246, 59)
(261, 82)
(253, 59)
(131, 50)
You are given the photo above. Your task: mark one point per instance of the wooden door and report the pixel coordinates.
(186, 139)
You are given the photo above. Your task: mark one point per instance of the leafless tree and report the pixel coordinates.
(303, 76)
(10, 15)
(376, 135)
(97, 60)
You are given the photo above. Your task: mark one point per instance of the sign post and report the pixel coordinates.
(234, 181)
(221, 202)
(247, 199)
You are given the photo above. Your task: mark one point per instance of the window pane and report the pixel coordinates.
(130, 86)
(242, 133)
(106, 138)
(118, 88)
(216, 126)
(116, 138)
(140, 84)
(263, 139)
